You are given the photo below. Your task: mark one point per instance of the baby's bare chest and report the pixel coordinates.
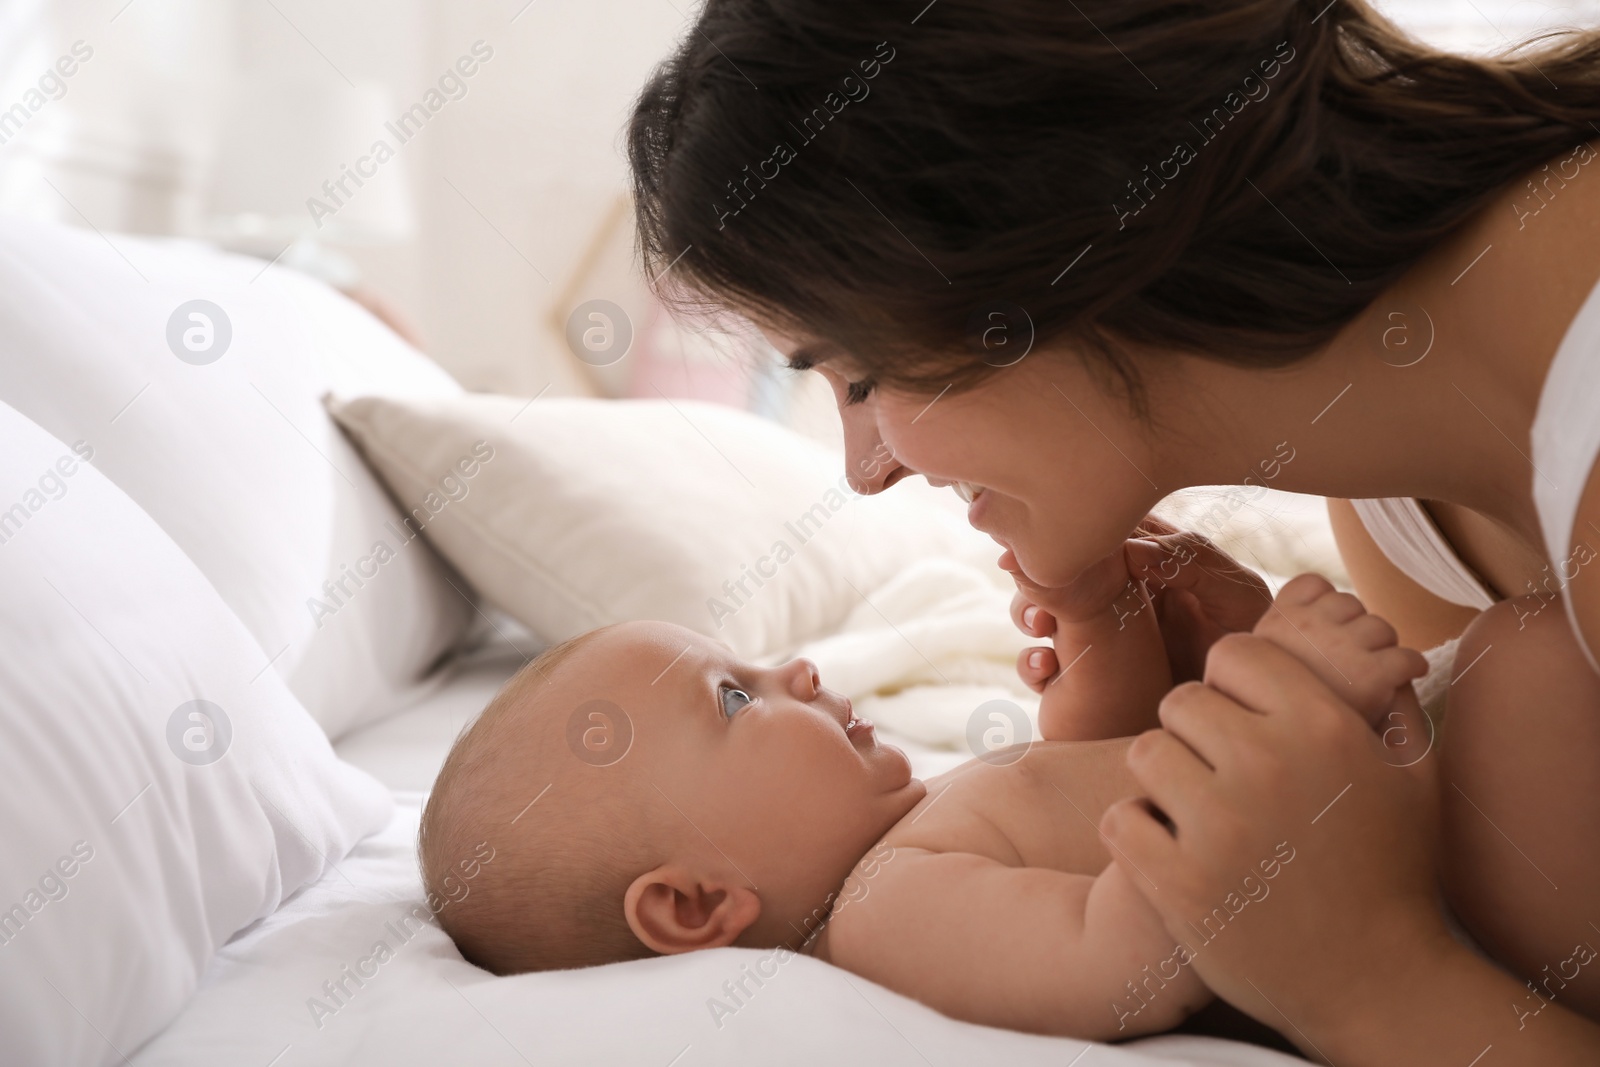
(1038, 807)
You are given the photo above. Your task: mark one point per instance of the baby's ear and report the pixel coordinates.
(673, 909)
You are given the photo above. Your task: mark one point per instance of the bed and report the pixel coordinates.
(244, 496)
(428, 1006)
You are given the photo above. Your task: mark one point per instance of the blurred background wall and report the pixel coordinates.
(498, 213)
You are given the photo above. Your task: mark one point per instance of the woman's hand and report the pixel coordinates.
(1199, 593)
(1264, 762)
(1086, 597)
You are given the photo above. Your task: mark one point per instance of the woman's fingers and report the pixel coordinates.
(1297, 834)
(1261, 676)
(1141, 842)
(1230, 593)
(1171, 773)
(1206, 721)
(1200, 592)
(1030, 618)
(1093, 590)
(1036, 666)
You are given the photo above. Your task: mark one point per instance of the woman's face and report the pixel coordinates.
(1060, 471)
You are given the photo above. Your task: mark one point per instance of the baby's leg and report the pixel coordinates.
(1354, 653)
(1520, 777)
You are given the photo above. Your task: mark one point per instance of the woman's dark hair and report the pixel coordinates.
(1246, 175)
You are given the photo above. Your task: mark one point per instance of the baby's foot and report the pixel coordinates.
(1356, 654)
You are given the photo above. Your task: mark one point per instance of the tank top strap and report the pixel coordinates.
(1566, 440)
(1403, 530)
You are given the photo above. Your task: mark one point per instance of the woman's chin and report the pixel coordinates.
(1035, 567)
(1051, 573)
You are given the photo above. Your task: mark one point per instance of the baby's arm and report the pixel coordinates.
(1021, 947)
(1111, 661)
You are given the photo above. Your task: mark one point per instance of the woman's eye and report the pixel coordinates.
(734, 699)
(856, 392)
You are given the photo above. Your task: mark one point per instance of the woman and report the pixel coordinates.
(1070, 258)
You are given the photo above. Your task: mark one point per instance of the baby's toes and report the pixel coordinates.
(1401, 665)
(1371, 632)
(1303, 589)
(1339, 608)
(1285, 624)
(1374, 677)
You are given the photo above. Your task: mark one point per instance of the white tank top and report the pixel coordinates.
(1565, 439)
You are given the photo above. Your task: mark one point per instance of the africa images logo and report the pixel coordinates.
(852, 89)
(1251, 90)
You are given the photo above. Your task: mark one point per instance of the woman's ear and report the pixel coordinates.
(672, 909)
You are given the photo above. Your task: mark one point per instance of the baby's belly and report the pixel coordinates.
(1039, 809)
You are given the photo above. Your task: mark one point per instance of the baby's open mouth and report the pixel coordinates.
(854, 726)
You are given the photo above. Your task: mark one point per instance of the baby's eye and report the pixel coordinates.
(734, 699)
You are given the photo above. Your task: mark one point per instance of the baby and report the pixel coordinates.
(648, 793)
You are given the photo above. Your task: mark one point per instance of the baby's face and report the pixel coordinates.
(768, 771)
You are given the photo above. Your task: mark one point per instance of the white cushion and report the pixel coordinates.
(236, 458)
(141, 830)
(579, 513)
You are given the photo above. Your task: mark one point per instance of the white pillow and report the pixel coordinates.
(236, 458)
(137, 838)
(577, 513)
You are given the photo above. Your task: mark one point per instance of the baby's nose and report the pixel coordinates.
(806, 680)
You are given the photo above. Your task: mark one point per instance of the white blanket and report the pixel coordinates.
(266, 1000)
(920, 655)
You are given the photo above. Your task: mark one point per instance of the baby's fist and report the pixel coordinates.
(1356, 654)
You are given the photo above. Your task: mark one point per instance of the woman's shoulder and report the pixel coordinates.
(1548, 223)
(1515, 274)
(1504, 289)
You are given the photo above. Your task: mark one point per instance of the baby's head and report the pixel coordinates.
(643, 791)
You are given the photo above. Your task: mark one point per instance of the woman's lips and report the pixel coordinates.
(977, 507)
(974, 494)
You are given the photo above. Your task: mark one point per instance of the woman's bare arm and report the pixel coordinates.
(1444, 1005)
(1350, 957)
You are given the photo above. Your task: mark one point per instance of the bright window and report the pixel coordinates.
(1482, 26)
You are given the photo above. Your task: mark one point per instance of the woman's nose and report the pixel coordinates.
(870, 464)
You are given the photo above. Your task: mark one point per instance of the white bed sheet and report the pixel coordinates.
(425, 1006)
